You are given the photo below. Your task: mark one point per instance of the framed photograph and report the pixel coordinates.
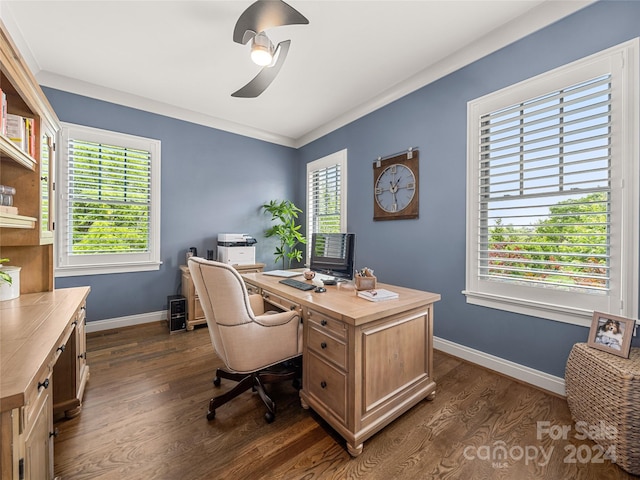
(611, 333)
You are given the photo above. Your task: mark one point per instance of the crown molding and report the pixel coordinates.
(535, 19)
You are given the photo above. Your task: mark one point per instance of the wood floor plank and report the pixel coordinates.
(144, 417)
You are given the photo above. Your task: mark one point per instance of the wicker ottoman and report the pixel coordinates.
(604, 389)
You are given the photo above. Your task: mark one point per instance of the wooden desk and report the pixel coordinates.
(364, 363)
(43, 370)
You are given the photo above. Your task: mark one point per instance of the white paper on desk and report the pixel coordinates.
(282, 273)
(377, 295)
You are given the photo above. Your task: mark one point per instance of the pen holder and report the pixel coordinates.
(365, 283)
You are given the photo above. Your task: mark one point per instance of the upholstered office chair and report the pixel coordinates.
(257, 348)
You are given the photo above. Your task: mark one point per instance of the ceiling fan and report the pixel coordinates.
(250, 27)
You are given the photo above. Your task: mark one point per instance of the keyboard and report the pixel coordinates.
(298, 284)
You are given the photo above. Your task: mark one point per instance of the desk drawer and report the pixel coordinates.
(328, 385)
(35, 395)
(253, 289)
(327, 324)
(327, 347)
(280, 302)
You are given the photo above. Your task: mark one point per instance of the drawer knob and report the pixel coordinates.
(44, 384)
(83, 355)
(323, 323)
(323, 345)
(292, 308)
(54, 433)
(323, 384)
(61, 348)
(74, 323)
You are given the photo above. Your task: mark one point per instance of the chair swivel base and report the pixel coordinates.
(290, 370)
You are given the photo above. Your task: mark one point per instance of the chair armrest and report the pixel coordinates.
(275, 319)
(256, 302)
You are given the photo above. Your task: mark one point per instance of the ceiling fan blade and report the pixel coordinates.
(264, 78)
(265, 14)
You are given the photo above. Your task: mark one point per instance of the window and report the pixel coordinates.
(327, 196)
(552, 227)
(109, 203)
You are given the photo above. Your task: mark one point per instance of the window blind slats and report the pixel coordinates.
(109, 191)
(324, 199)
(544, 186)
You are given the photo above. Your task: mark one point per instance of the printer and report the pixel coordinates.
(236, 249)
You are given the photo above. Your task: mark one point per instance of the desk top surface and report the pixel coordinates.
(31, 327)
(341, 301)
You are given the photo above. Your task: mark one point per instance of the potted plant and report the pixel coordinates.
(4, 276)
(288, 233)
(9, 281)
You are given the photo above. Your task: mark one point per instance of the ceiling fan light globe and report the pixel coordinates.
(261, 50)
(261, 56)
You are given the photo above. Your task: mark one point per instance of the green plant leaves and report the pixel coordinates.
(286, 213)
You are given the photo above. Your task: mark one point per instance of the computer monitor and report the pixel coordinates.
(333, 254)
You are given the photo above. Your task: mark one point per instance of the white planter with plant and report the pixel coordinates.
(9, 281)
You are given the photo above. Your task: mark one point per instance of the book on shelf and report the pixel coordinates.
(11, 210)
(16, 130)
(377, 294)
(22, 132)
(3, 112)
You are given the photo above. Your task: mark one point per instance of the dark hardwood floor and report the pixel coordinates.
(144, 417)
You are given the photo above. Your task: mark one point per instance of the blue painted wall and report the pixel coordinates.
(429, 253)
(212, 182)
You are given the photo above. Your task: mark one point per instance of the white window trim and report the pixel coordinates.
(337, 158)
(111, 263)
(625, 58)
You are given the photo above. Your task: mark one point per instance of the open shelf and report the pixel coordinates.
(8, 220)
(10, 151)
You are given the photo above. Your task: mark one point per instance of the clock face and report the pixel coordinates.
(395, 188)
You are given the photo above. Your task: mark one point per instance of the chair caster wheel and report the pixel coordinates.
(216, 381)
(211, 415)
(269, 417)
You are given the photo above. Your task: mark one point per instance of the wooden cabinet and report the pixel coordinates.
(71, 369)
(195, 313)
(42, 370)
(38, 442)
(26, 230)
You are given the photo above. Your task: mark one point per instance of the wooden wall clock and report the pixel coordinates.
(395, 187)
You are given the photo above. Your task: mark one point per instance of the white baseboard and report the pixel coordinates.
(128, 321)
(519, 372)
(514, 370)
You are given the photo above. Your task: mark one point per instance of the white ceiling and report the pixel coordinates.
(177, 57)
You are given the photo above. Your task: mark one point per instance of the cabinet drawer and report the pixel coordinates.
(328, 385)
(198, 311)
(324, 323)
(253, 289)
(35, 395)
(327, 347)
(63, 344)
(280, 302)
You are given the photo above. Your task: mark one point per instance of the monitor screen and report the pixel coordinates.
(333, 254)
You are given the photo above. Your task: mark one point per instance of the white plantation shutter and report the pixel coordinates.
(544, 190)
(109, 194)
(552, 205)
(326, 195)
(109, 207)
